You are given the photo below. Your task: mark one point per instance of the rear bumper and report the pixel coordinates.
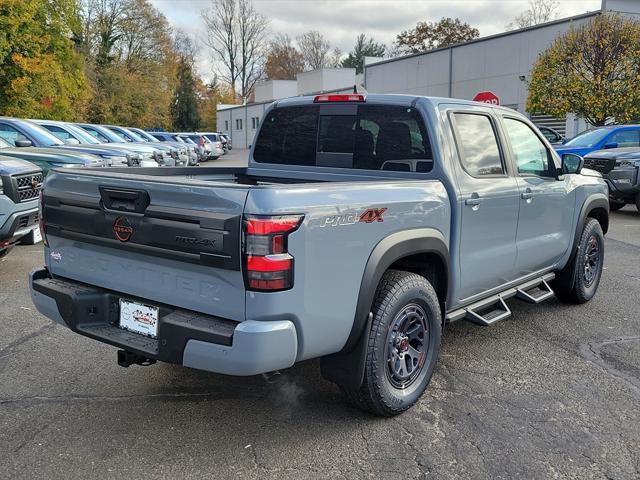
(184, 337)
(215, 152)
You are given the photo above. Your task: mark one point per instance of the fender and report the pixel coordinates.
(592, 202)
(347, 366)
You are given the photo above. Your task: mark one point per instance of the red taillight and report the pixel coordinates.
(41, 217)
(351, 97)
(268, 265)
(270, 225)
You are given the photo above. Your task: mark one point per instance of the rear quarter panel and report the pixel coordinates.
(331, 249)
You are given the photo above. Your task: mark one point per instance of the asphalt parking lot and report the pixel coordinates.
(554, 391)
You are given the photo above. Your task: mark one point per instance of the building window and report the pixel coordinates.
(255, 122)
(238, 124)
(226, 125)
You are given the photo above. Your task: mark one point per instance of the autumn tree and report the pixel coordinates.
(132, 67)
(591, 71)
(41, 74)
(363, 48)
(316, 51)
(211, 95)
(539, 11)
(284, 61)
(236, 35)
(429, 35)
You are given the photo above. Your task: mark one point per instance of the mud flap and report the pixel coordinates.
(347, 368)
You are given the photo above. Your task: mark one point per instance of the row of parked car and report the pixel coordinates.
(49, 143)
(30, 148)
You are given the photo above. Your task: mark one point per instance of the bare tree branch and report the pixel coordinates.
(539, 11)
(220, 22)
(314, 49)
(236, 34)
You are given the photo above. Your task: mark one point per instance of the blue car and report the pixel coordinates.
(614, 136)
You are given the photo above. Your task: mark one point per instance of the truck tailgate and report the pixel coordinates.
(170, 241)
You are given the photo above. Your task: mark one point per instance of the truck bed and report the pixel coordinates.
(243, 176)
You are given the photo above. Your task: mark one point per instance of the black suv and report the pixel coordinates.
(619, 167)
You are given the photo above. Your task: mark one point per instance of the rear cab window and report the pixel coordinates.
(358, 136)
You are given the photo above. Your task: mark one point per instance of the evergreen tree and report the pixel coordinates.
(184, 110)
(363, 48)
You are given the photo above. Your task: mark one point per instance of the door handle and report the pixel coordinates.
(473, 201)
(527, 194)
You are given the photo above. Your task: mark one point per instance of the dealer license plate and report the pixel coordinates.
(139, 318)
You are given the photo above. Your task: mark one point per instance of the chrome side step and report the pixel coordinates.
(536, 294)
(493, 308)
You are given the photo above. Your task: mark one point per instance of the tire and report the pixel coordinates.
(615, 206)
(404, 303)
(576, 283)
(638, 202)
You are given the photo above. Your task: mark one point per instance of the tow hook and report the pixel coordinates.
(126, 359)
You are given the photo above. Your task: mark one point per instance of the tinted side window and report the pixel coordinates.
(96, 134)
(288, 136)
(10, 134)
(478, 145)
(57, 131)
(550, 134)
(627, 138)
(531, 155)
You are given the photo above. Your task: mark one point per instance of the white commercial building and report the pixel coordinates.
(500, 64)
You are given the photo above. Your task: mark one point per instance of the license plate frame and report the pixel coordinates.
(139, 318)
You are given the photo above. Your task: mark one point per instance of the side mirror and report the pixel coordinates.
(611, 145)
(71, 141)
(572, 163)
(23, 143)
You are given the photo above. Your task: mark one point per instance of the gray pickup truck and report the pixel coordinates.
(361, 227)
(20, 185)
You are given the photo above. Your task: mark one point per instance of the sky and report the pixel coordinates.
(341, 21)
